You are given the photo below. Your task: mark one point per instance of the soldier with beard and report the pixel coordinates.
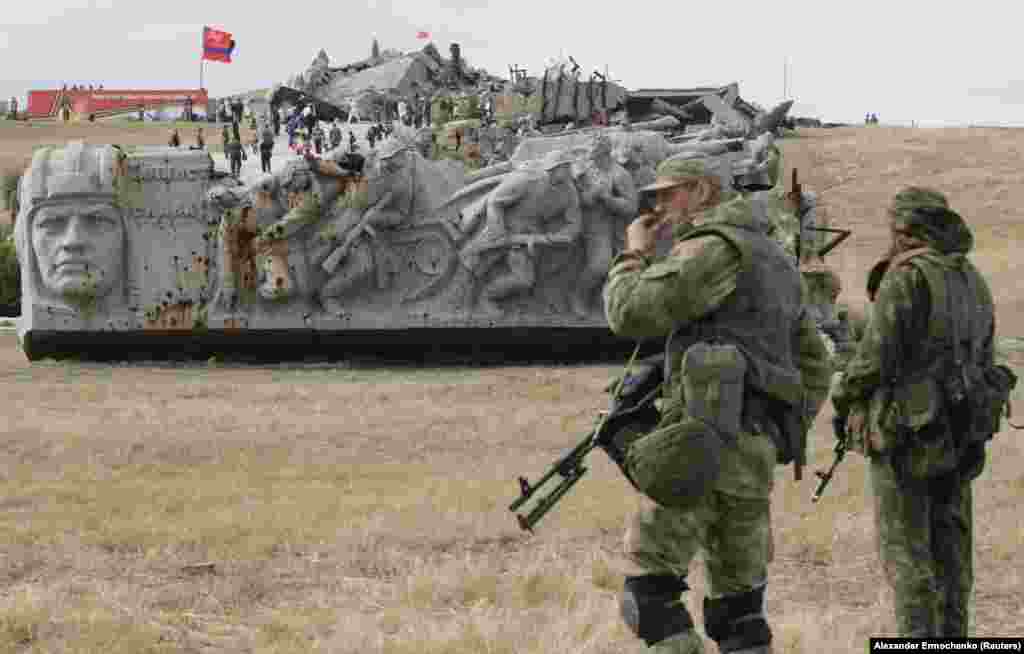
(930, 338)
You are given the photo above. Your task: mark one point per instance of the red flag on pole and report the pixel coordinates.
(422, 35)
(217, 45)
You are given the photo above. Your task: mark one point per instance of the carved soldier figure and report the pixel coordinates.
(237, 269)
(608, 197)
(517, 215)
(391, 205)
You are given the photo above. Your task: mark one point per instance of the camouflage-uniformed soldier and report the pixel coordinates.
(724, 281)
(921, 487)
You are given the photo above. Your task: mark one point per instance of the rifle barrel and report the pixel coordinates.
(566, 467)
(548, 501)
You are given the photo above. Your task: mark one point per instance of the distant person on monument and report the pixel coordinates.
(236, 153)
(308, 119)
(291, 127)
(371, 136)
(352, 142)
(254, 141)
(266, 148)
(175, 140)
(335, 134)
(275, 120)
(318, 138)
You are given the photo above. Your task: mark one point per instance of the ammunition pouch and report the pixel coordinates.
(914, 423)
(941, 427)
(678, 463)
(712, 380)
(986, 401)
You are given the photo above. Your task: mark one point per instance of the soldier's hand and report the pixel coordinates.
(641, 233)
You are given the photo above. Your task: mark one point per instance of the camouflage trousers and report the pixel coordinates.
(731, 524)
(925, 540)
(733, 532)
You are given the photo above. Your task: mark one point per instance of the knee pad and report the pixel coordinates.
(652, 608)
(737, 622)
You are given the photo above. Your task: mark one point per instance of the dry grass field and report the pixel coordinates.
(363, 509)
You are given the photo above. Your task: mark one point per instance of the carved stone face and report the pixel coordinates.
(79, 248)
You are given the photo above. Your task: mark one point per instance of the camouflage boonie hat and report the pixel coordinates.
(915, 197)
(674, 172)
(925, 214)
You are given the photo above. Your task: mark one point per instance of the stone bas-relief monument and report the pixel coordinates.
(154, 242)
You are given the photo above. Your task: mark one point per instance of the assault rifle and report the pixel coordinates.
(842, 444)
(795, 197)
(632, 404)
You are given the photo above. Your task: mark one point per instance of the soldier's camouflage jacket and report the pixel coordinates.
(696, 279)
(907, 338)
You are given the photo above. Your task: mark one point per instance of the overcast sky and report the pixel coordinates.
(906, 60)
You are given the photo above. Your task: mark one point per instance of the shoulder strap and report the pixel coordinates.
(730, 235)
